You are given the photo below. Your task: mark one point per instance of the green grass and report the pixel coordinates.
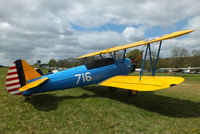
(94, 109)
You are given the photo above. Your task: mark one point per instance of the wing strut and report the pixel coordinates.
(111, 55)
(150, 57)
(124, 55)
(153, 69)
(141, 73)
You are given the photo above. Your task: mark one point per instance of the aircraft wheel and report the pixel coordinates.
(112, 89)
(27, 99)
(131, 92)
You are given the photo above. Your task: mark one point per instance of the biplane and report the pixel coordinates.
(111, 71)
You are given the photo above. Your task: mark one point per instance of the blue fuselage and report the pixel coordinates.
(81, 76)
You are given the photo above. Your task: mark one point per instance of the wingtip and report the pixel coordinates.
(192, 30)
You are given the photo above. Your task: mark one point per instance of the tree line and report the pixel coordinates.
(65, 63)
(180, 57)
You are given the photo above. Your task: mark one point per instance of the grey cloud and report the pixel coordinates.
(41, 29)
(92, 13)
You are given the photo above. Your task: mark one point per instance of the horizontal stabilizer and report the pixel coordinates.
(33, 84)
(147, 83)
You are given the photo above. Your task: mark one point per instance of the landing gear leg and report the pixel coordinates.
(112, 89)
(27, 98)
(132, 92)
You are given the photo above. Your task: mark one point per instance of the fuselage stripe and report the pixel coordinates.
(12, 70)
(11, 76)
(12, 81)
(18, 93)
(12, 84)
(13, 67)
(15, 92)
(11, 90)
(12, 87)
(12, 73)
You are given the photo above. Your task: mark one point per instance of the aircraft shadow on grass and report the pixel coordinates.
(149, 101)
(49, 102)
(163, 105)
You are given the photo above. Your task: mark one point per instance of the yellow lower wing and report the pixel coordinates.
(147, 83)
(33, 84)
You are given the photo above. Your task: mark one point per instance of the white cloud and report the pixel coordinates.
(133, 34)
(191, 42)
(194, 23)
(4, 25)
(99, 40)
(94, 13)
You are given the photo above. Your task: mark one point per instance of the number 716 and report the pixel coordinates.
(84, 77)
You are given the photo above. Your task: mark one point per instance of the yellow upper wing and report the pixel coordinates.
(139, 43)
(147, 83)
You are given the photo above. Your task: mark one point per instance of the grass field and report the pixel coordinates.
(94, 109)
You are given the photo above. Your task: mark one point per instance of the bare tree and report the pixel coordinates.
(175, 52)
(196, 53)
(174, 55)
(179, 56)
(195, 58)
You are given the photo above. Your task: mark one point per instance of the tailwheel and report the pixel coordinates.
(131, 92)
(27, 98)
(112, 89)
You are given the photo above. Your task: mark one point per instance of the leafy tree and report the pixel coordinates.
(64, 63)
(52, 63)
(133, 54)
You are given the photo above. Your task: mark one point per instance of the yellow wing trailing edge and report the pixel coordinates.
(147, 83)
(139, 43)
(33, 84)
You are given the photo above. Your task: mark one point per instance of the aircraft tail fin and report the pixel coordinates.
(18, 75)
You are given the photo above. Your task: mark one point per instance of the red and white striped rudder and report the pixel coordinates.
(18, 76)
(12, 81)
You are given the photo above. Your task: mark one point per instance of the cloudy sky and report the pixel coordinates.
(60, 29)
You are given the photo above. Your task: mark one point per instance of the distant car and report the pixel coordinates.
(55, 71)
(185, 72)
(194, 72)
